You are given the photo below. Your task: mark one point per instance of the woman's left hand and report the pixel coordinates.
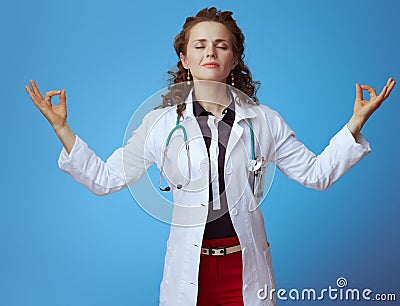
(363, 109)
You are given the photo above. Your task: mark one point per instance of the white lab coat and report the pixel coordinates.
(274, 140)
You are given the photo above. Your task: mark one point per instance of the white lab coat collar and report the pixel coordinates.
(242, 108)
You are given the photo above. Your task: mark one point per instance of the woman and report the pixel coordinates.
(224, 257)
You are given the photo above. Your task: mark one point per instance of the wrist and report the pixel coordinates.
(59, 128)
(355, 125)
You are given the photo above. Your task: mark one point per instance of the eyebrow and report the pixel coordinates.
(203, 39)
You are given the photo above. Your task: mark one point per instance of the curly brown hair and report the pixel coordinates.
(241, 73)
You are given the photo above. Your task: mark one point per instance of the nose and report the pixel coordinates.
(210, 51)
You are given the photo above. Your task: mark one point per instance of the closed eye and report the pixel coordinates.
(220, 47)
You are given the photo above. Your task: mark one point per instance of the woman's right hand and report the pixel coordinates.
(55, 114)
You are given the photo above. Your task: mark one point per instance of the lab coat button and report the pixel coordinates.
(234, 211)
(246, 288)
(245, 251)
(228, 170)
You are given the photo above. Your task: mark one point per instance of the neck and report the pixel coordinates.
(212, 96)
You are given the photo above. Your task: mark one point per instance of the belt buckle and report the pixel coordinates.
(214, 251)
(218, 251)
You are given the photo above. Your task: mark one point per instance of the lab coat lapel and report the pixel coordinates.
(242, 112)
(236, 133)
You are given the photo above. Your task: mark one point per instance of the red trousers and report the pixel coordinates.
(220, 277)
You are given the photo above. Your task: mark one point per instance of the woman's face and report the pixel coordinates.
(209, 54)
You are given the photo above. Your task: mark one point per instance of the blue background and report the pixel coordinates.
(62, 245)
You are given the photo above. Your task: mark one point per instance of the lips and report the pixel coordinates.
(211, 65)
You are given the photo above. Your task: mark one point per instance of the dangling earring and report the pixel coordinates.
(188, 77)
(232, 79)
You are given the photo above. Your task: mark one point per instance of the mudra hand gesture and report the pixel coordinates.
(363, 109)
(55, 114)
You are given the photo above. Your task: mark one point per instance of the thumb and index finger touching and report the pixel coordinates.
(383, 95)
(36, 96)
(52, 93)
(361, 88)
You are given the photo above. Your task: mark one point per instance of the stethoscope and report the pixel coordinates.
(254, 163)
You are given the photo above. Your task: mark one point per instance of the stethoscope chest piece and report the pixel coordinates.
(258, 166)
(255, 164)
